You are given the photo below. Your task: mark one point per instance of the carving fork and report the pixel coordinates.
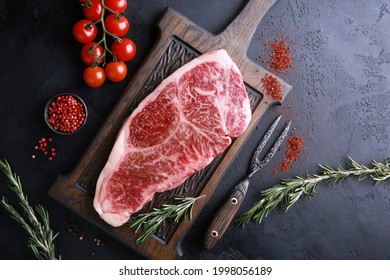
(226, 212)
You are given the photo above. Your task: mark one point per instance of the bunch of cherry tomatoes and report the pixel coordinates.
(114, 26)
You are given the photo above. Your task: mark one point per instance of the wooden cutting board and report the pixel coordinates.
(181, 40)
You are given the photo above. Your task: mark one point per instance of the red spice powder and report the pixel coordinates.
(279, 60)
(294, 148)
(272, 87)
(277, 54)
(280, 55)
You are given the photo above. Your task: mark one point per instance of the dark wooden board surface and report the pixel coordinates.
(180, 41)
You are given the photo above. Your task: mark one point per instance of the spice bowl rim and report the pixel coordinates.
(48, 104)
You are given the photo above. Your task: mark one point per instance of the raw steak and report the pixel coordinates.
(178, 129)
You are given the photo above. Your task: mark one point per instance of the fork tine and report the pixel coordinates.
(257, 164)
(255, 157)
(277, 144)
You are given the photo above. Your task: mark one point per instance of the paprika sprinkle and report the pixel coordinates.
(278, 53)
(294, 148)
(272, 87)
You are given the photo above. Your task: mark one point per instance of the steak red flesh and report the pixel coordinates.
(178, 129)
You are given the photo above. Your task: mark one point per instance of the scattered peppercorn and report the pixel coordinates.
(66, 114)
(43, 148)
(99, 242)
(74, 229)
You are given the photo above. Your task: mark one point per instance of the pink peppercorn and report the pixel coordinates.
(66, 114)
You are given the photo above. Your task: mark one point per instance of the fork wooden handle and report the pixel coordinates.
(225, 215)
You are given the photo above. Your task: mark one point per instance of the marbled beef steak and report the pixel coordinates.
(178, 129)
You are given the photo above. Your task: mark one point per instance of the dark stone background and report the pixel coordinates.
(339, 106)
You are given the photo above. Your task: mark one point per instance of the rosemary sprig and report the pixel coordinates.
(41, 238)
(150, 222)
(290, 190)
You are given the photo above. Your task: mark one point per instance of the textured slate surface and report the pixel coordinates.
(339, 106)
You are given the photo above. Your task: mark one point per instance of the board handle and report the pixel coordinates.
(241, 29)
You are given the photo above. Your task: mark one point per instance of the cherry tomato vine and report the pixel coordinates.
(108, 14)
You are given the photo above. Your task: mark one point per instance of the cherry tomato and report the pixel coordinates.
(90, 53)
(125, 50)
(116, 71)
(94, 76)
(84, 31)
(117, 25)
(118, 6)
(93, 12)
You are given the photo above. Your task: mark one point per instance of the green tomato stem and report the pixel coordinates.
(104, 36)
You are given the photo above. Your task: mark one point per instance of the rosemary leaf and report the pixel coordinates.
(149, 223)
(289, 191)
(41, 239)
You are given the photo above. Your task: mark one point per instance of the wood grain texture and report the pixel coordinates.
(225, 215)
(180, 40)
